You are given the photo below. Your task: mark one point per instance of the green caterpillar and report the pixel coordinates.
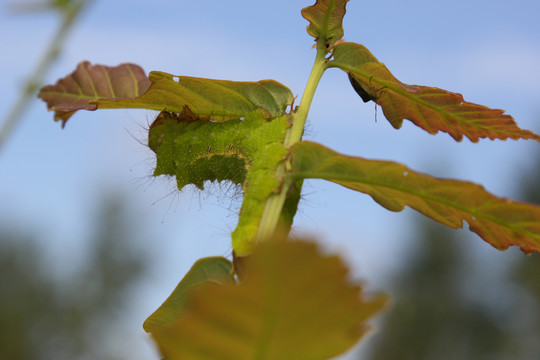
(244, 151)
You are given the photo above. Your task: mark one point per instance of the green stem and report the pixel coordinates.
(274, 205)
(300, 116)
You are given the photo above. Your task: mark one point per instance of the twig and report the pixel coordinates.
(70, 13)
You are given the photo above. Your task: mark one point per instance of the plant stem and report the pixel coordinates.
(70, 13)
(300, 116)
(274, 204)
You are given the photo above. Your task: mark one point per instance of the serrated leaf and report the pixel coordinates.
(208, 98)
(125, 86)
(293, 303)
(499, 221)
(91, 82)
(430, 108)
(325, 20)
(216, 270)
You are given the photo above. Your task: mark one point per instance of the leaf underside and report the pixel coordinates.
(500, 222)
(207, 98)
(92, 87)
(293, 303)
(430, 108)
(325, 20)
(207, 270)
(91, 82)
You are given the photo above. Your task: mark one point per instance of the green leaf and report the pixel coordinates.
(126, 86)
(245, 152)
(91, 82)
(293, 303)
(430, 108)
(325, 20)
(499, 221)
(216, 270)
(207, 98)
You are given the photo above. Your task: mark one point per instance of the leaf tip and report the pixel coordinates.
(89, 83)
(325, 20)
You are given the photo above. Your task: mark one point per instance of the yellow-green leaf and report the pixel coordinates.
(293, 303)
(216, 270)
(499, 221)
(325, 20)
(208, 98)
(430, 108)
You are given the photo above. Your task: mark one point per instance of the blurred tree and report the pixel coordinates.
(42, 318)
(435, 315)
(525, 276)
(432, 318)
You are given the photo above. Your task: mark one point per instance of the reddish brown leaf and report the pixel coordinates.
(430, 108)
(326, 20)
(91, 82)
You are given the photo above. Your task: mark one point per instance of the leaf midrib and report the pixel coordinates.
(335, 178)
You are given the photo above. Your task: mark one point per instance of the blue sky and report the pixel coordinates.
(50, 178)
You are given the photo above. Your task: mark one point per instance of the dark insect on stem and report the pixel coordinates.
(364, 94)
(360, 90)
